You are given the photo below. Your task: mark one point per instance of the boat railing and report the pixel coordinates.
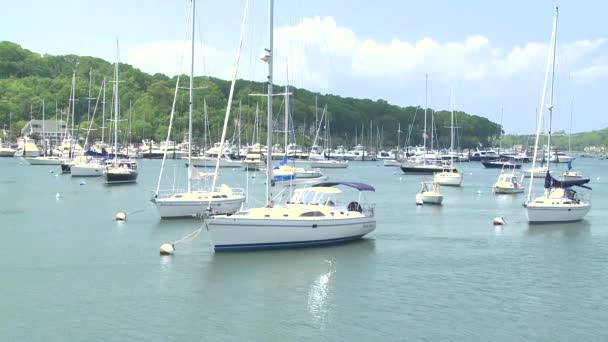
(171, 192)
(368, 210)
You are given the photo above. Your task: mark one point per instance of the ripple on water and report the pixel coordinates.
(11, 211)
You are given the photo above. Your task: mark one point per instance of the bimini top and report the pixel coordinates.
(356, 185)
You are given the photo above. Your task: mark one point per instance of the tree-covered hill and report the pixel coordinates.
(26, 78)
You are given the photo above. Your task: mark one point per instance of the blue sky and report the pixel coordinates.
(492, 54)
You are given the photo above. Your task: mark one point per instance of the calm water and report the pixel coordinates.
(72, 273)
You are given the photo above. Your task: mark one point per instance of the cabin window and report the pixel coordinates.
(312, 214)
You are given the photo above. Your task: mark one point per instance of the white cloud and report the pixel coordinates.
(319, 53)
(591, 73)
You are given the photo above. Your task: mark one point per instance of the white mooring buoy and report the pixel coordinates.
(57, 195)
(82, 182)
(121, 216)
(499, 221)
(419, 201)
(167, 249)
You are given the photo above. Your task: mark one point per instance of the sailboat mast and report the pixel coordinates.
(426, 89)
(116, 108)
(103, 112)
(73, 110)
(43, 131)
(550, 106)
(500, 136)
(268, 58)
(286, 142)
(452, 126)
(89, 97)
(191, 102)
(550, 64)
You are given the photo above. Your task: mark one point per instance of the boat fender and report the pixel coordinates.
(499, 221)
(167, 249)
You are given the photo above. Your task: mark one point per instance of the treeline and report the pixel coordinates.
(26, 78)
(561, 140)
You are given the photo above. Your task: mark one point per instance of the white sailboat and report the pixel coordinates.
(326, 162)
(449, 176)
(287, 174)
(559, 203)
(121, 170)
(198, 202)
(310, 218)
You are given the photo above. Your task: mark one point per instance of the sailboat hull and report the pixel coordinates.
(87, 170)
(422, 169)
(564, 213)
(171, 208)
(237, 234)
(448, 178)
(329, 164)
(45, 161)
(127, 176)
(210, 162)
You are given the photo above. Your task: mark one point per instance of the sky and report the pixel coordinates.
(483, 56)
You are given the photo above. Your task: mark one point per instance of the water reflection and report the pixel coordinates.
(571, 229)
(318, 293)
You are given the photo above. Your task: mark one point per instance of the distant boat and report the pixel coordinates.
(499, 164)
(507, 183)
(329, 164)
(449, 176)
(26, 148)
(430, 193)
(424, 169)
(6, 151)
(45, 160)
(537, 172)
(121, 170)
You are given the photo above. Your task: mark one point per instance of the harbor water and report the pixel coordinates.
(70, 272)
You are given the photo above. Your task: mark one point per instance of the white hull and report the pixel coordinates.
(87, 170)
(448, 178)
(210, 162)
(430, 199)
(308, 174)
(538, 173)
(561, 159)
(329, 164)
(299, 181)
(45, 161)
(7, 152)
(228, 233)
(168, 208)
(253, 165)
(505, 190)
(391, 162)
(561, 213)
